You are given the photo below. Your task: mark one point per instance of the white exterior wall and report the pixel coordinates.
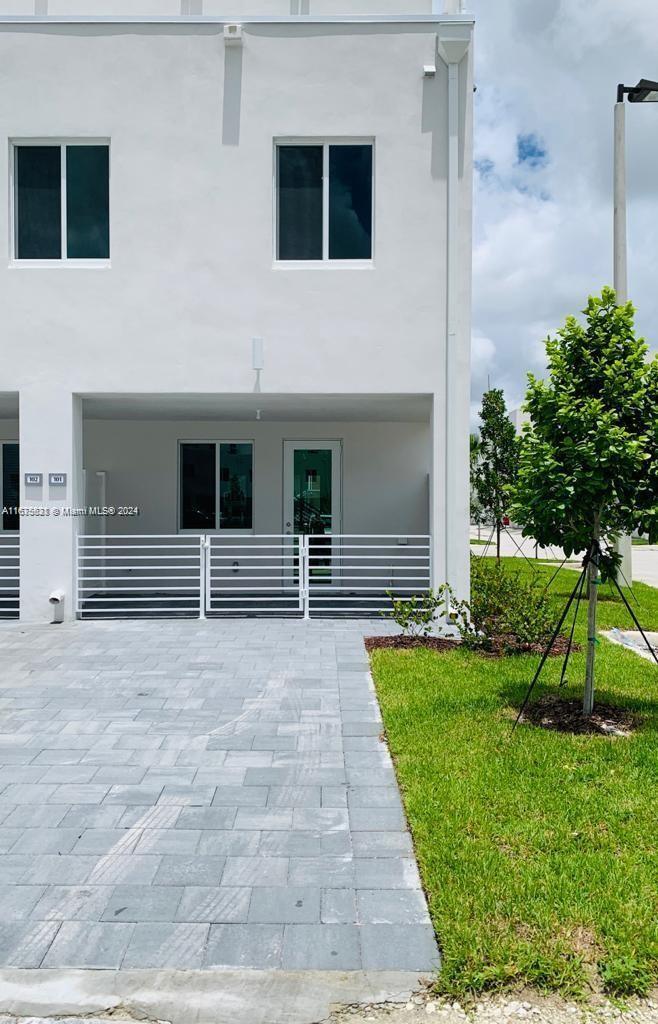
(192, 277)
(140, 460)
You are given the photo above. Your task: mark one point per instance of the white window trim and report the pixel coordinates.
(325, 262)
(6, 533)
(179, 485)
(63, 261)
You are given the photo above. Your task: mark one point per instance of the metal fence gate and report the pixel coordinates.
(236, 575)
(9, 575)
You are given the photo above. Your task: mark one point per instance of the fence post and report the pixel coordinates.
(76, 571)
(304, 574)
(203, 556)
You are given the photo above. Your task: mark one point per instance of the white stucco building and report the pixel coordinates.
(235, 258)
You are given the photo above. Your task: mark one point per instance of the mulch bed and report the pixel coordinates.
(502, 646)
(407, 643)
(561, 715)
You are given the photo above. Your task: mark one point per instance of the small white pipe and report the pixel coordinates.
(56, 599)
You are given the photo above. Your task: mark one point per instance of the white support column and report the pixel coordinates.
(50, 442)
(438, 530)
(451, 517)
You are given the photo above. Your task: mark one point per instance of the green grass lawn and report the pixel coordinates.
(538, 850)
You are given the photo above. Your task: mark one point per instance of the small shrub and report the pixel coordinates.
(506, 605)
(506, 612)
(415, 615)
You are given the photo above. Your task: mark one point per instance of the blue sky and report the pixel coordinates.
(546, 74)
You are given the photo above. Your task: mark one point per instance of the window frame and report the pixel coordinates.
(325, 142)
(3, 442)
(64, 260)
(218, 442)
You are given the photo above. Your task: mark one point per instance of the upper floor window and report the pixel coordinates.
(324, 201)
(61, 201)
(216, 485)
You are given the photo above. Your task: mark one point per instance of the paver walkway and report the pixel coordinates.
(195, 794)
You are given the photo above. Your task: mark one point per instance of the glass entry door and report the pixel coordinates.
(312, 499)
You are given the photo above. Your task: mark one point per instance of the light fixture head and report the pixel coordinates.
(646, 91)
(257, 353)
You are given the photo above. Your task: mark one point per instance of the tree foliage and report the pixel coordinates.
(477, 516)
(590, 448)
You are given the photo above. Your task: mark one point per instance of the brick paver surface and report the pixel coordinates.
(198, 794)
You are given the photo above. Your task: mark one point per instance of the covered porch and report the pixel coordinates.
(211, 505)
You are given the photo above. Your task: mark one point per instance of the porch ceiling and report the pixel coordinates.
(396, 408)
(8, 405)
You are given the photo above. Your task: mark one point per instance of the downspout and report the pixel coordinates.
(452, 228)
(453, 43)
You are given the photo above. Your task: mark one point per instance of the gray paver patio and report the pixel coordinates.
(200, 794)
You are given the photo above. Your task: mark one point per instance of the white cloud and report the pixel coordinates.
(543, 234)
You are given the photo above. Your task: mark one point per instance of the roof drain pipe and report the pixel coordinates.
(56, 599)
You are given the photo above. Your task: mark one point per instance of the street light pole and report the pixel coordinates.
(624, 545)
(646, 91)
(620, 253)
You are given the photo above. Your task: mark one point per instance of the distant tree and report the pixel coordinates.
(588, 467)
(474, 457)
(497, 463)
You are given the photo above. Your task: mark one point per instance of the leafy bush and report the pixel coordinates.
(506, 605)
(506, 612)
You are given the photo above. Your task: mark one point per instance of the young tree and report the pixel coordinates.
(474, 458)
(588, 468)
(497, 464)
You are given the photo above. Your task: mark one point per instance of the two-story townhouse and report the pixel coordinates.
(235, 257)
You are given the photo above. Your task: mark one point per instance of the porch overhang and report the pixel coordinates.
(256, 405)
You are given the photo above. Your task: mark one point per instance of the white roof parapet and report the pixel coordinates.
(253, 19)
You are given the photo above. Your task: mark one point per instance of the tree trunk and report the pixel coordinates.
(498, 542)
(593, 594)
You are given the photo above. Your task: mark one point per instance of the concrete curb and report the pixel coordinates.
(200, 997)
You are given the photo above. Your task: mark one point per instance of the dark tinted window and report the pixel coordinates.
(235, 486)
(198, 486)
(88, 202)
(300, 202)
(38, 203)
(350, 202)
(10, 496)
